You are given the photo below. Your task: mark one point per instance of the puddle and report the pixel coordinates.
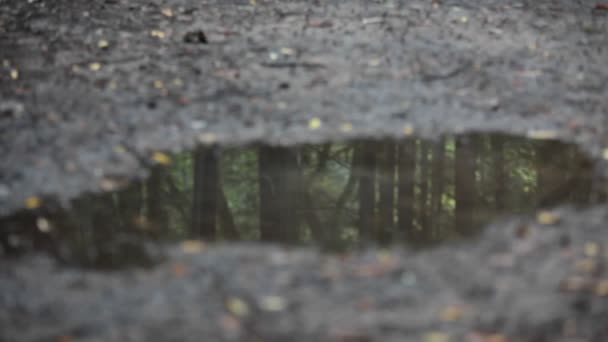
(336, 196)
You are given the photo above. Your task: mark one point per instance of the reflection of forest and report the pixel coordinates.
(337, 195)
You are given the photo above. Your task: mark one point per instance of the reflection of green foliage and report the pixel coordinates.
(106, 228)
(179, 194)
(240, 183)
(325, 182)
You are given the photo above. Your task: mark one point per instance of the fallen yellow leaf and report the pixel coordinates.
(546, 217)
(33, 202)
(158, 84)
(158, 34)
(542, 134)
(167, 12)
(43, 225)
(346, 127)
(592, 249)
(436, 337)
(314, 123)
(408, 129)
(273, 303)
(161, 158)
(192, 246)
(120, 149)
(237, 307)
(95, 66)
(207, 138)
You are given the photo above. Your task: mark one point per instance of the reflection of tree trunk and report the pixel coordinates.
(21, 224)
(229, 230)
(130, 203)
(366, 170)
(407, 169)
(551, 172)
(278, 193)
(180, 202)
(205, 196)
(500, 177)
(581, 178)
(386, 186)
(322, 159)
(157, 213)
(561, 175)
(438, 182)
(334, 225)
(464, 185)
(307, 207)
(99, 232)
(317, 229)
(423, 207)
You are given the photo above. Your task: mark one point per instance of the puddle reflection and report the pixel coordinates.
(337, 196)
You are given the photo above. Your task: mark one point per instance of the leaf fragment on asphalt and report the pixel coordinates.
(43, 225)
(546, 217)
(346, 127)
(436, 336)
(601, 289)
(33, 202)
(314, 123)
(542, 134)
(273, 303)
(237, 306)
(158, 34)
(207, 138)
(592, 249)
(451, 313)
(192, 246)
(179, 269)
(161, 158)
(587, 265)
(408, 130)
(95, 66)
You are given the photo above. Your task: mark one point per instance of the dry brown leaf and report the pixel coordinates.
(179, 269)
(601, 288)
(586, 265)
(451, 313)
(573, 284)
(192, 246)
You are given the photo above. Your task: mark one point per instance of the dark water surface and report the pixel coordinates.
(335, 195)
